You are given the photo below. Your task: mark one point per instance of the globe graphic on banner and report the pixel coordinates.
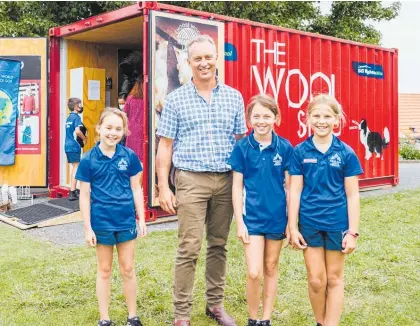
(6, 109)
(185, 33)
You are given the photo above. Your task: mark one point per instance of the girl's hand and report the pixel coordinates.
(142, 229)
(90, 237)
(297, 240)
(349, 244)
(242, 232)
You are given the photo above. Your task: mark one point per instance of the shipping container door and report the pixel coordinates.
(169, 69)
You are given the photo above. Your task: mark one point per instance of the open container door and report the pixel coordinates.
(169, 35)
(84, 63)
(92, 50)
(96, 43)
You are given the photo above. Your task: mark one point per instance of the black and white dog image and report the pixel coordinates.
(372, 140)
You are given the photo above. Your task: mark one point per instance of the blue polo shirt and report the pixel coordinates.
(70, 144)
(112, 204)
(323, 202)
(263, 172)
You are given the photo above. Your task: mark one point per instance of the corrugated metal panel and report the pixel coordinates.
(409, 113)
(292, 66)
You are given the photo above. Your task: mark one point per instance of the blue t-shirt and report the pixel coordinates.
(71, 145)
(112, 203)
(323, 202)
(263, 174)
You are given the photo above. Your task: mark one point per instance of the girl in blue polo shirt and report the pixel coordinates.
(324, 198)
(110, 195)
(260, 164)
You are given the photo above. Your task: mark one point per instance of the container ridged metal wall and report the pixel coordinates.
(362, 98)
(305, 56)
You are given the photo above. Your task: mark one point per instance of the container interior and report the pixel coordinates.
(100, 48)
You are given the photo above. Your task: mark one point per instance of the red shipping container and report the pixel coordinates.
(258, 58)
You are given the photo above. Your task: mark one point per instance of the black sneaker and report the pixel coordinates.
(73, 195)
(266, 322)
(77, 192)
(252, 322)
(135, 321)
(106, 323)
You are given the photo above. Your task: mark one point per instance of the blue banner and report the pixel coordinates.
(368, 69)
(9, 92)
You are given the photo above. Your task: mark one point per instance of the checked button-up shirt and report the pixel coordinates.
(203, 132)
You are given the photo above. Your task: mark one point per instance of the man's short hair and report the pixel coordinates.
(200, 39)
(72, 102)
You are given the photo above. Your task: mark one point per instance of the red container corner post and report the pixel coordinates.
(255, 58)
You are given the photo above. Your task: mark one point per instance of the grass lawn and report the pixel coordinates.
(45, 284)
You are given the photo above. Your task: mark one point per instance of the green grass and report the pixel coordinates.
(45, 284)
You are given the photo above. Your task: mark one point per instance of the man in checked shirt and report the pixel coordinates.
(199, 125)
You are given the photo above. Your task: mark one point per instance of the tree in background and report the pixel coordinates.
(347, 19)
(35, 18)
(350, 20)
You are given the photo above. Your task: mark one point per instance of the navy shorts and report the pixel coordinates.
(111, 238)
(269, 236)
(73, 157)
(330, 240)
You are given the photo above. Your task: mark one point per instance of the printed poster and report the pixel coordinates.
(170, 33)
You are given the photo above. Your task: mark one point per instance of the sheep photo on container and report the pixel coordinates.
(171, 70)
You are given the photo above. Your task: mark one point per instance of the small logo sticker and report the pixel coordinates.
(310, 160)
(335, 160)
(277, 160)
(368, 70)
(122, 165)
(231, 53)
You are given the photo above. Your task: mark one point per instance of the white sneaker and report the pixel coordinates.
(13, 195)
(5, 194)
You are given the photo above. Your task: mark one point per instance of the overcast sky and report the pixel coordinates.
(402, 33)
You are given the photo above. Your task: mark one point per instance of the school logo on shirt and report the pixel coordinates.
(122, 165)
(335, 160)
(277, 160)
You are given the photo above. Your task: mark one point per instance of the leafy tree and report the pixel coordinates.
(35, 18)
(350, 20)
(347, 19)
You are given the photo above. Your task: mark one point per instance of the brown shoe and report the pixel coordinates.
(220, 315)
(180, 322)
